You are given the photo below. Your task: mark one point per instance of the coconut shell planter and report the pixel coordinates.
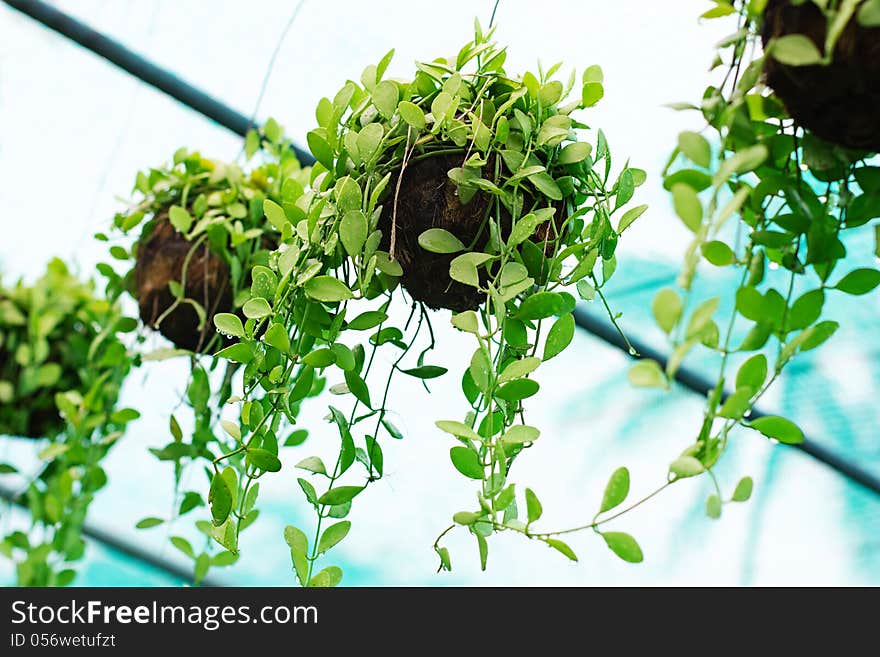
(428, 199)
(165, 257)
(205, 231)
(838, 101)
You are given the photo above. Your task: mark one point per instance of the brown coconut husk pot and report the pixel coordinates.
(429, 199)
(161, 255)
(840, 102)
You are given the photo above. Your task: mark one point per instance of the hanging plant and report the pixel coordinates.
(61, 366)
(472, 191)
(770, 199)
(202, 253)
(202, 232)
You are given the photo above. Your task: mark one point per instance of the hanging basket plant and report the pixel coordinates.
(472, 191)
(772, 205)
(202, 231)
(62, 363)
(823, 63)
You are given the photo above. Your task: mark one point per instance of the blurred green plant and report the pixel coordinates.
(62, 362)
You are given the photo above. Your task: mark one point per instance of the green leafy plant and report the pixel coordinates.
(472, 190)
(62, 363)
(200, 261)
(772, 201)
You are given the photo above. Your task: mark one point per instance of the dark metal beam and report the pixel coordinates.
(199, 101)
(696, 382)
(162, 79)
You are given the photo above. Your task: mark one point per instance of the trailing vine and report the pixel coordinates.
(792, 198)
(62, 363)
(202, 253)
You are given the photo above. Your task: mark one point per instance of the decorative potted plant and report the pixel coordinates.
(767, 196)
(473, 191)
(61, 366)
(202, 251)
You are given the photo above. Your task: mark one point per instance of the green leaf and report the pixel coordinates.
(795, 50)
(437, 240)
(339, 495)
(743, 490)
(52, 451)
(520, 434)
(263, 459)
(647, 373)
(519, 368)
(368, 140)
(320, 148)
(562, 547)
(256, 308)
(353, 231)
(718, 253)
(219, 498)
(713, 506)
(183, 545)
(299, 549)
(545, 184)
(695, 148)
(752, 373)
(517, 390)
(667, 308)
(146, 523)
(237, 353)
(616, 490)
(559, 336)
(687, 206)
(385, 97)
(276, 336)
(465, 518)
(541, 305)
(686, 466)
(624, 546)
(327, 289)
(592, 93)
(312, 464)
(859, 281)
(574, 153)
(869, 14)
(229, 324)
(466, 462)
(275, 214)
(333, 535)
(533, 506)
(180, 218)
(806, 310)
(779, 428)
(463, 268)
(366, 320)
(412, 114)
(467, 321)
(426, 371)
(630, 216)
(458, 429)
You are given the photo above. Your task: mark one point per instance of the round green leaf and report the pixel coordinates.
(779, 428)
(624, 546)
(437, 240)
(327, 289)
(466, 462)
